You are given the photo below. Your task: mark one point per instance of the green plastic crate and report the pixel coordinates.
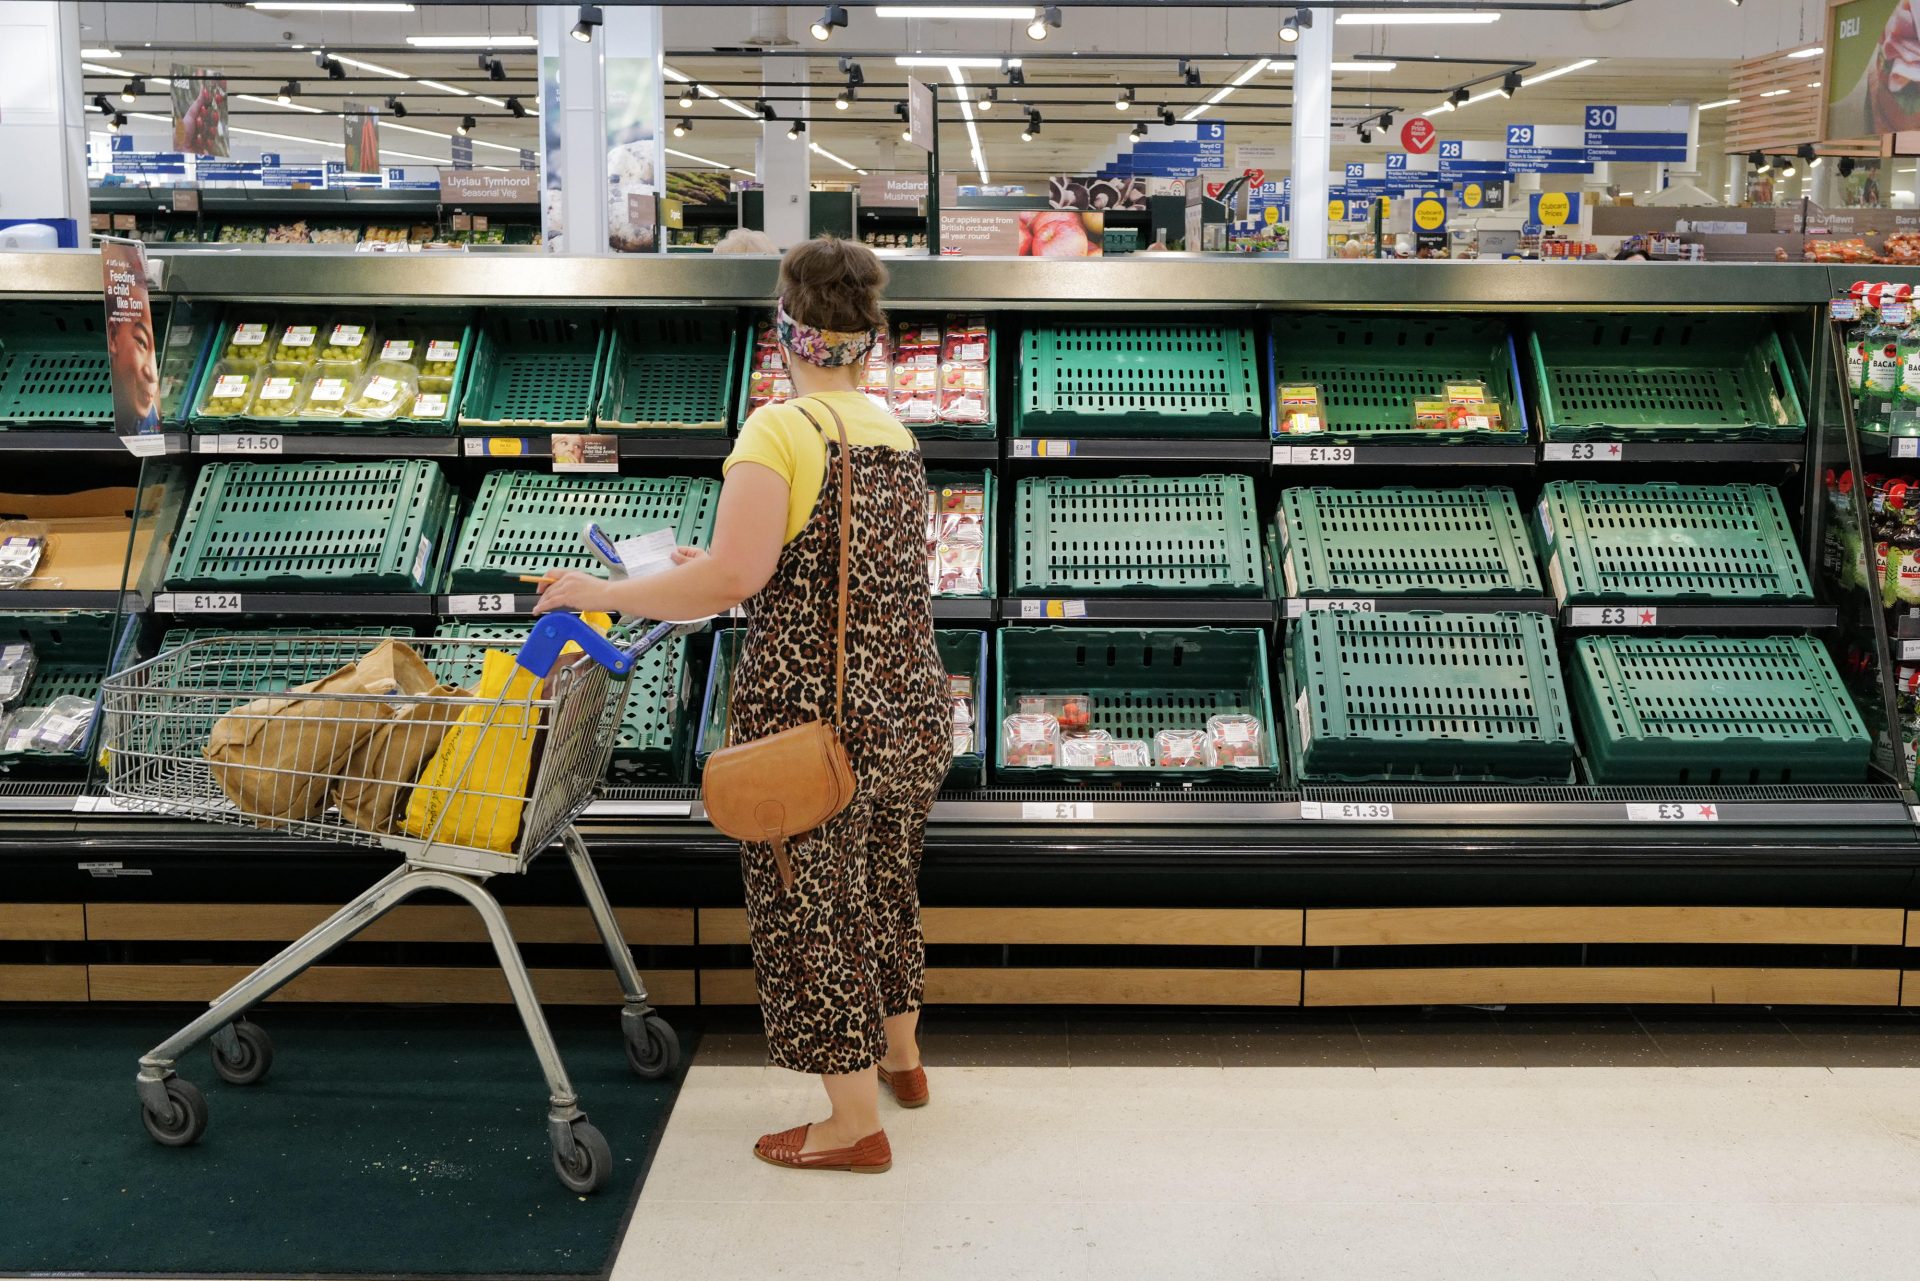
(53, 366)
(669, 372)
(1372, 366)
(1716, 710)
(1136, 533)
(1429, 697)
(990, 555)
(1140, 682)
(651, 743)
(373, 526)
(71, 652)
(1660, 542)
(1404, 542)
(534, 369)
(1660, 377)
(1148, 378)
(530, 522)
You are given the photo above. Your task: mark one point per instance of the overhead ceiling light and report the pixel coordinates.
(735, 107)
(923, 60)
(374, 67)
(1139, 130)
(764, 109)
(819, 150)
(1386, 120)
(1032, 128)
(1220, 95)
(491, 102)
(1004, 12)
(101, 105)
(424, 133)
(318, 6)
(329, 65)
(1283, 66)
(466, 125)
(590, 17)
(516, 108)
(395, 107)
(495, 69)
(115, 121)
(101, 53)
(1813, 52)
(1189, 72)
(1804, 151)
(1457, 98)
(1366, 134)
(682, 128)
(834, 15)
(843, 99)
(1510, 84)
(1724, 102)
(475, 42)
(444, 88)
(1775, 93)
(795, 129)
(1016, 76)
(1123, 99)
(1166, 114)
(272, 102)
(1294, 24)
(988, 96)
(687, 93)
(1817, 161)
(1415, 18)
(134, 88)
(1047, 19)
(288, 92)
(702, 160)
(1557, 72)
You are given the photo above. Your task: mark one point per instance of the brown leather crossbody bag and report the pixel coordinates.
(775, 788)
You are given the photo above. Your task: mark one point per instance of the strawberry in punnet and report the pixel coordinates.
(1059, 234)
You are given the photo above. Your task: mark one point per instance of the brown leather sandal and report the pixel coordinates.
(909, 1087)
(871, 1155)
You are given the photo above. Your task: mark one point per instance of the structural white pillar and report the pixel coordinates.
(43, 135)
(573, 165)
(785, 169)
(1312, 136)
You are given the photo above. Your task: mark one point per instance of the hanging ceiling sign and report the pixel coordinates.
(1417, 135)
(1172, 151)
(1481, 162)
(1366, 181)
(1547, 149)
(1636, 133)
(1552, 209)
(1407, 172)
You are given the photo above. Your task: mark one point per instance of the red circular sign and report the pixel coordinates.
(1417, 135)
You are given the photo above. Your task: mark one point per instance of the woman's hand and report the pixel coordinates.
(574, 590)
(681, 555)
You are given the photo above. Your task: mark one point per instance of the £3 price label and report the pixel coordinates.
(1613, 616)
(1672, 812)
(1585, 451)
(487, 603)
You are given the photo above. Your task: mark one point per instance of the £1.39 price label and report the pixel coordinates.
(1313, 455)
(1347, 811)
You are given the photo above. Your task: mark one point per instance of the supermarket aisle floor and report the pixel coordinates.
(1464, 1145)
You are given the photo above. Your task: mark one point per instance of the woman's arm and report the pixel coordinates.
(749, 532)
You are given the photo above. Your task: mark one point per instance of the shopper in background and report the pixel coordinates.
(745, 240)
(837, 948)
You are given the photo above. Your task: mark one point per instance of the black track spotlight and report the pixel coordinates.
(590, 18)
(1758, 159)
(1290, 28)
(1510, 84)
(116, 122)
(1032, 129)
(466, 125)
(1123, 100)
(1366, 134)
(851, 70)
(765, 109)
(795, 129)
(689, 94)
(396, 108)
(682, 127)
(1046, 19)
(1846, 166)
(496, 70)
(1166, 114)
(1189, 72)
(1139, 130)
(329, 64)
(987, 98)
(843, 99)
(101, 105)
(906, 130)
(135, 87)
(288, 92)
(834, 15)
(1016, 77)
(1386, 120)
(1805, 151)
(516, 108)
(1458, 98)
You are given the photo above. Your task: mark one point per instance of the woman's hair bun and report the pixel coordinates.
(833, 284)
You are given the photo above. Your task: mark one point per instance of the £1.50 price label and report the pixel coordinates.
(1347, 811)
(253, 444)
(1672, 812)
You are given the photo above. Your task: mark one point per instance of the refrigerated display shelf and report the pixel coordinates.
(1136, 535)
(530, 522)
(1402, 541)
(1144, 378)
(535, 370)
(53, 366)
(668, 372)
(1298, 454)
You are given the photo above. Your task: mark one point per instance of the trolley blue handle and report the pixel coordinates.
(551, 634)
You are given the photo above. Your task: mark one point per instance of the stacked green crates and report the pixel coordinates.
(377, 526)
(1659, 543)
(1428, 697)
(1663, 377)
(669, 372)
(1145, 378)
(1707, 710)
(1404, 542)
(534, 369)
(651, 744)
(1139, 682)
(53, 366)
(1371, 367)
(526, 523)
(1178, 535)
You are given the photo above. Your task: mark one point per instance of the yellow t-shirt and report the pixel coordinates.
(779, 437)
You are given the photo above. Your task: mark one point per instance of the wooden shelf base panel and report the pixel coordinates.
(284, 922)
(1064, 986)
(378, 985)
(1599, 985)
(1091, 926)
(1405, 926)
(43, 983)
(42, 922)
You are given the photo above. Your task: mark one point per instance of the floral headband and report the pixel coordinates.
(827, 347)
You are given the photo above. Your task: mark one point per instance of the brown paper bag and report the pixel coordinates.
(372, 792)
(275, 758)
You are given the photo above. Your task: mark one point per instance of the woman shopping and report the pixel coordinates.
(824, 503)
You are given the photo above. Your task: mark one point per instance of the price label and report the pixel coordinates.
(1045, 448)
(1313, 455)
(1056, 811)
(256, 444)
(197, 603)
(229, 386)
(249, 335)
(442, 349)
(1346, 811)
(1673, 812)
(1843, 309)
(1584, 451)
(328, 390)
(1904, 447)
(277, 389)
(1910, 651)
(430, 404)
(348, 335)
(1053, 609)
(494, 447)
(397, 349)
(382, 389)
(486, 603)
(1343, 605)
(299, 336)
(1613, 616)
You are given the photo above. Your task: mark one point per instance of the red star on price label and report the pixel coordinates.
(1613, 450)
(1646, 617)
(1708, 811)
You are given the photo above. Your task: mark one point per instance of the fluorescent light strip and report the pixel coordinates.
(473, 42)
(497, 146)
(1724, 102)
(105, 71)
(1004, 12)
(374, 67)
(817, 149)
(1775, 93)
(992, 64)
(319, 6)
(386, 123)
(494, 102)
(101, 53)
(681, 77)
(1279, 65)
(1557, 72)
(1814, 52)
(966, 113)
(1428, 19)
(688, 155)
(1252, 69)
(435, 84)
(284, 106)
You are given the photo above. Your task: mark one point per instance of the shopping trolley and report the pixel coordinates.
(161, 714)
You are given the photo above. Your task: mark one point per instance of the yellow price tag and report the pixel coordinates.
(1272, 215)
(1386, 206)
(1428, 215)
(1336, 211)
(1472, 196)
(506, 446)
(1554, 208)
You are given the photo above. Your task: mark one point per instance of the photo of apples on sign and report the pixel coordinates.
(1061, 233)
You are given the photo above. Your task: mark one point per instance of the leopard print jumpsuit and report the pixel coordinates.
(842, 949)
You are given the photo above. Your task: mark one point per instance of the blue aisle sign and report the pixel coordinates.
(462, 152)
(1366, 182)
(1547, 149)
(1410, 173)
(1636, 133)
(1551, 209)
(527, 160)
(290, 175)
(1172, 151)
(151, 162)
(120, 142)
(1477, 162)
(227, 171)
(1275, 194)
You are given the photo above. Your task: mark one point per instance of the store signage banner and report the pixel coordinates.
(462, 150)
(1418, 135)
(1366, 181)
(485, 187)
(528, 160)
(199, 111)
(1430, 222)
(919, 114)
(1261, 155)
(1408, 172)
(1872, 48)
(361, 126)
(1481, 162)
(1552, 210)
(132, 361)
(1022, 233)
(227, 171)
(1547, 149)
(636, 157)
(1172, 151)
(893, 190)
(1636, 133)
(1096, 193)
(293, 176)
(150, 162)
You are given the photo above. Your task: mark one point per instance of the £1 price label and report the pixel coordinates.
(1672, 812)
(1056, 811)
(486, 603)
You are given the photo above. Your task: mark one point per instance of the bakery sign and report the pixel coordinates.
(486, 187)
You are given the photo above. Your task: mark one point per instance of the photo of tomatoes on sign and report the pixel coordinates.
(1418, 135)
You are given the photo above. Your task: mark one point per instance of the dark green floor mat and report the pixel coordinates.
(387, 1142)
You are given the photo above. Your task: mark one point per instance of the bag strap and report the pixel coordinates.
(846, 548)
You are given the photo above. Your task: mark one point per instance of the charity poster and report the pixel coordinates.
(361, 125)
(199, 111)
(1873, 68)
(1096, 193)
(132, 354)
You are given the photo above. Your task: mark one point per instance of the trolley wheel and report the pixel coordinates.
(653, 1049)
(592, 1160)
(186, 1118)
(252, 1059)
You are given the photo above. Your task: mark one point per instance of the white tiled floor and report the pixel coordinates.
(1435, 1173)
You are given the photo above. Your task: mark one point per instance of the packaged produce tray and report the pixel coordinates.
(1404, 542)
(1150, 378)
(1427, 697)
(1136, 533)
(1371, 367)
(759, 384)
(651, 745)
(963, 652)
(534, 369)
(1722, 377)
(71, 652)
(530, 522)
(1715, 710)
(669, 371)
(1139, 682)
(942, 530)
(392, 372)
(54, 370)
(1661, 542)
(380, 526)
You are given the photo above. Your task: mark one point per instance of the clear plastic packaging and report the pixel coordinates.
(438, 361)
(963, 394)
(387, 389)
(347, 342)
(325, 391)
(22, 544)
(250, 340)
(1234, 742)
(956, 540)
(1031, 739)
(230, 389)
(279, 392)
(1074, 712)
(59, 727)
(17, 666)
(1180, 748)
(405, 351)
(1132, 753)
(298, 344)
